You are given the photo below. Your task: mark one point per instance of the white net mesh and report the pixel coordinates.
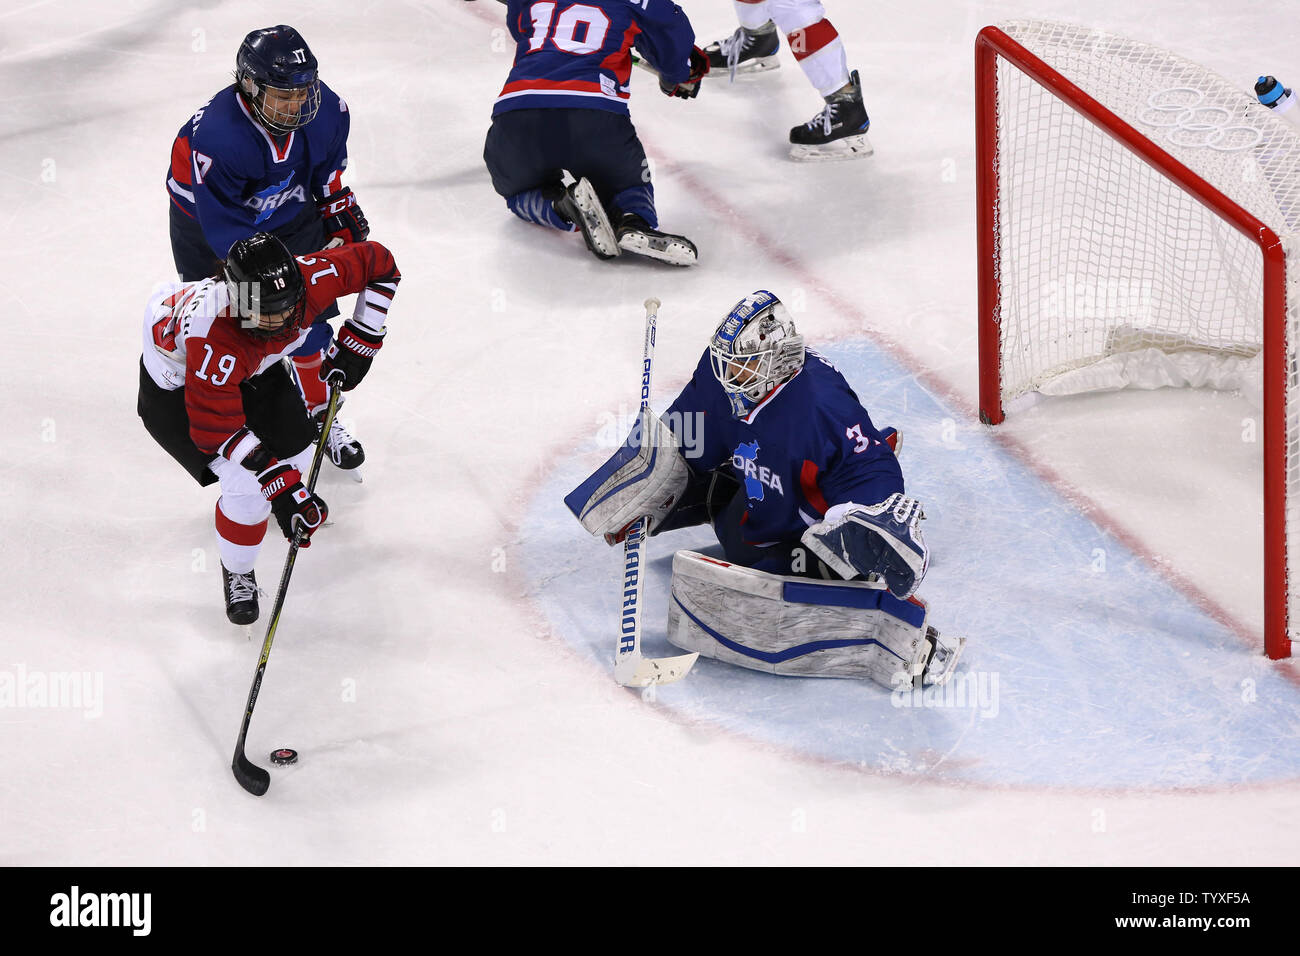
(1112, 275)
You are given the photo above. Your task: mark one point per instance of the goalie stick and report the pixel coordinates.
(630, 668)
(250, 776)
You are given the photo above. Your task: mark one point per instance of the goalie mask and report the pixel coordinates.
(755, 349)
(276, 73)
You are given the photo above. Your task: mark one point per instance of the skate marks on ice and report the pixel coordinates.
(1085, 667)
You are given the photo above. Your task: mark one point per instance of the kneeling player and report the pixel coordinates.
(216, 396)
(564, 108)
(823, 547)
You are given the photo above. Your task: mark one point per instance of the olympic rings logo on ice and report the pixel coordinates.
(1189, 123)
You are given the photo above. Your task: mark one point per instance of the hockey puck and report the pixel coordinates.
(284, 756)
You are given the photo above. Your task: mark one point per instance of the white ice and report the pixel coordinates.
(440, 664)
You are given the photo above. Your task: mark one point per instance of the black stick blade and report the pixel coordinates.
(250, 776)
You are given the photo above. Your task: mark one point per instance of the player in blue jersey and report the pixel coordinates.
(267, 154)
(770, 445)
(564, 108)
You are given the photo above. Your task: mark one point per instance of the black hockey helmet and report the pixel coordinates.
(264, 282)
(277, 60)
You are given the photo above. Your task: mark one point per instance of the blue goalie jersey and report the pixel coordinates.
(578, 55)
(236, 179)
(808, 445)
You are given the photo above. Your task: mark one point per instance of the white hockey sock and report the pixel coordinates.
(820, 52)
(752, 14)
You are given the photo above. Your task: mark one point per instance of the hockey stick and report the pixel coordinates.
(630, 668)
(250, 776)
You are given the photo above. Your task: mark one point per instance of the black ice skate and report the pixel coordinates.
(838, 132)
(580, 205)
(241, 596)
(745, 51)
(343, 449)
(636, 236)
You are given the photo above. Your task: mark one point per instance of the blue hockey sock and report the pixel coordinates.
(639, 200)
(533, 205)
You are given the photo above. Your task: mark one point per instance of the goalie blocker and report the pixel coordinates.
(644, 478)
(800, 626)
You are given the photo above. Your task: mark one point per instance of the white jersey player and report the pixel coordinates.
(839, 131)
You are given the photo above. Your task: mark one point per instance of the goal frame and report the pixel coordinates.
(992, 43)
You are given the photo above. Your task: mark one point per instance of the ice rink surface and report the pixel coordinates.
(443, 665)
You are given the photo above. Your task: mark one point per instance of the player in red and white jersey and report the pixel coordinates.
(216, 396)
(839, 131)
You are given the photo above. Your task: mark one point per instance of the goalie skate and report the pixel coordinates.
(941, 663)
(636, 236)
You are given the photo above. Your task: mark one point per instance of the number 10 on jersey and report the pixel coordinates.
(566, 24)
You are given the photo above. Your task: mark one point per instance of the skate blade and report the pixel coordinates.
(762, 64)
(949, 662)
(596, 228)
(674, 250)
(850, 147)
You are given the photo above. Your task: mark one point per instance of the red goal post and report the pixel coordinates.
(1167, 196)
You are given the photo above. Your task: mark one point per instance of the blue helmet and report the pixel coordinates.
(278, 60)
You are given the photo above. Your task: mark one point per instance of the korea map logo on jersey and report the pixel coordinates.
(272, 198)
(757, 477)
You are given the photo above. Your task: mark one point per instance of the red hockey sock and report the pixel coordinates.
(314, 391)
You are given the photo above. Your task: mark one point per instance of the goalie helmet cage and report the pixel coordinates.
(1135, 216)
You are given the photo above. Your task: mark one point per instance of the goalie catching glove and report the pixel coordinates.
(644, 478)
(879, 539)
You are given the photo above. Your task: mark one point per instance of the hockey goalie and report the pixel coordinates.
(822, 547)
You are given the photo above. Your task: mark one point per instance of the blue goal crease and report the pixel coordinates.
(1111, 679)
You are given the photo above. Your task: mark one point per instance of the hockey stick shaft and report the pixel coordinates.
(628, 653)
(630, 668)
(251, 777)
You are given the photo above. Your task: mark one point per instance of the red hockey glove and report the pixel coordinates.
(690, 87)
(343, 217)
(296, 509)
(349, 356)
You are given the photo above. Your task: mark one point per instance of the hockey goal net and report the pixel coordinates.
(1136, 215)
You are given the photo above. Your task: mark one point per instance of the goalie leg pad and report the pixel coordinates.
(646, 477)
(783, 624)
